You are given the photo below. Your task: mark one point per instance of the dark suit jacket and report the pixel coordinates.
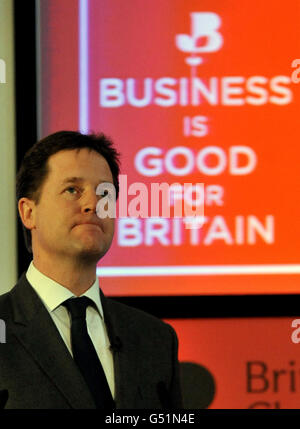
(38, 371)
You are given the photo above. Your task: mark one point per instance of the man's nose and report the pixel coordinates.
(90, 201)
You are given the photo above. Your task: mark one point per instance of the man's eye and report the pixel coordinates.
(72, 189)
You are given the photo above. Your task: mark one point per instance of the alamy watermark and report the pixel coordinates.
(296, 73)
(2, 331)
(2, 71)
(295, 337)
(160, 200)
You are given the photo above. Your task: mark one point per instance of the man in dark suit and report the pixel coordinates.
(67, 345)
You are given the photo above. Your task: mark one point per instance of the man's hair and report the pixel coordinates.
(34, 168)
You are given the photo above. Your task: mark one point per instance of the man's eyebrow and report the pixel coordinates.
(72, 180)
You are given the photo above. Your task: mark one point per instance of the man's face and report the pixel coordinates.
(64, 206)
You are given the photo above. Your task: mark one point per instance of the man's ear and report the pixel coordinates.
(26, 209)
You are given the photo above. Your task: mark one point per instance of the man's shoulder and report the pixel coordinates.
(9, 300)
(5, 305)
(136, 318)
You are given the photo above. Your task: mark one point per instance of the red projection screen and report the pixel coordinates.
(258, 368)
(197, 92)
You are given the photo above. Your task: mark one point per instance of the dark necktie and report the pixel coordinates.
(85, 354)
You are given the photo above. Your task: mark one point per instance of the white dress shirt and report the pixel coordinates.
(53, 295)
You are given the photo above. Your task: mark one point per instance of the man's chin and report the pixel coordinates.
(91, 254)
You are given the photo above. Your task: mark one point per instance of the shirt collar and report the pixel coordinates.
(53, 294)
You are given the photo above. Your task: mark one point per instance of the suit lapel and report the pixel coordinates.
(126, 357)
(36, 331)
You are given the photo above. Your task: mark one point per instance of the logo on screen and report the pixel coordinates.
(204, 37)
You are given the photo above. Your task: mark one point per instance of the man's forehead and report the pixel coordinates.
(69, 155)
(63, 165)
